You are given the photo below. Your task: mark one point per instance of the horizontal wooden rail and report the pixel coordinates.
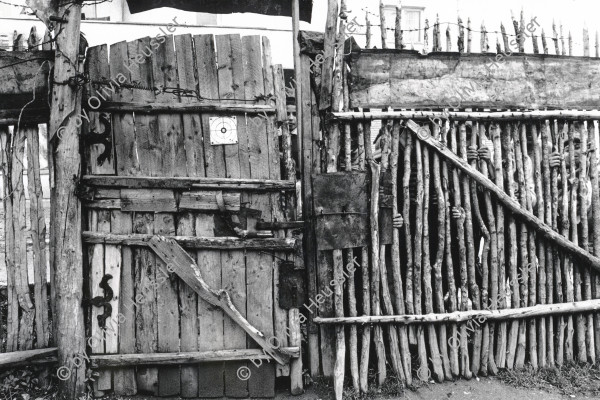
(193, 357)
(540, 310)
(27, 116)
(28, 357)
(152, 182)
(151, 108)
(192, 242)
(554, 237)
(49, 356)
(467, 116)
(279, 224)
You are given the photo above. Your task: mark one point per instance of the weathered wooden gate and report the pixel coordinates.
(496, 177)
(183, 142)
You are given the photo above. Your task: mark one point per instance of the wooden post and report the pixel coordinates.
(438, 39)
(375, 273)
(555, 38)
(435, 358)
(368, 31)
(461, 36)
(382, 25)
(329, 54)
(398, 29)
(366, 284)
(536, 49)
(550, 285)
(452, 300)
(583, 206)
(469, 35)
(396, 275)
(462, 259)
(562, 42)
(586, 42)
(298, 77)
(426, 36)
(438, 294)
(522, 36)
(66, 208)
(504, 38)
(574, 267)
(423, 373)
(501, 348)
(570, 38)
(566, 262)
(595, 220)
(544, 44)
(541, 246)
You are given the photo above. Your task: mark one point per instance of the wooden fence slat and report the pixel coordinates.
(113, 266)
(192, 125)
(260, 130)
(98, 69)
(21, 282)
(595, 218)
(167, 307)
(283, 321)
(174, 164)
(123, 131)
(574, 236)
(188, 300)
(208, 88)
(149, 144)
(583, 196)
(210, 318)
(146, 320)
(211, 376)
(194, 151)
(237, 162)
(12, 317)
(38, 236)
(101, 220)
(124, 378)
(540, 245)
(546, 148)
(460, 229)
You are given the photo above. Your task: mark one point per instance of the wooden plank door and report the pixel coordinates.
(158, 312)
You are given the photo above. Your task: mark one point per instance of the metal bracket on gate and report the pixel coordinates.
(292, 292)
(103, 138)
(238, 223)
(103, 301)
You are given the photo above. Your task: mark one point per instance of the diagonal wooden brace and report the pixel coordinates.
(550, 235)
(179, 261)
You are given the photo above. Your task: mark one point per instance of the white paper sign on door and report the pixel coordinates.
(223, 130)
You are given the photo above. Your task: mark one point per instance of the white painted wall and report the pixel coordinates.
(573, 14)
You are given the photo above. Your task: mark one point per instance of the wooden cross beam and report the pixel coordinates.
(550, 235)
(180, 262)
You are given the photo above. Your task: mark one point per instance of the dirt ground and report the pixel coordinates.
(481, 389)
(475, 389)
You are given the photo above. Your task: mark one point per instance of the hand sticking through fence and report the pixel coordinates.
(398, 221)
